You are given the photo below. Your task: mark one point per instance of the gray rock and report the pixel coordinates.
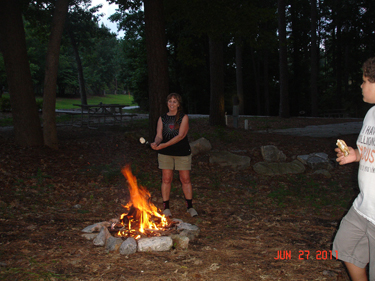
(191, 234)
(180, 242)
(323, 173)
(200, 146)
(128, 247)
(280, 168)
(155, 244)
(102, 237)
(271, 153)
(113, 244)
(96, 227)
(227, 159)
(316, 161)
(188, 226)
(90, 236)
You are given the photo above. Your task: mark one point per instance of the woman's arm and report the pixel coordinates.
(184, 128)
(159, 135)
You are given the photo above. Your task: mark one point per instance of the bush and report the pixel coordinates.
(39, 104)
(5, 104)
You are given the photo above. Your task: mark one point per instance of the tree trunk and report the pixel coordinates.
(217, 109)
(256, 82)
(314, 61)
(284, 96)
(266, 85)
(239, 74)
(157, 63)
(81, 78)
(50, 79)
(337, 52)
(27, 129)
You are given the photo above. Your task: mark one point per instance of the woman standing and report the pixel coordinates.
(174, 152)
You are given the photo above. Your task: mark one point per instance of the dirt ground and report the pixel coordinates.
(246, 220)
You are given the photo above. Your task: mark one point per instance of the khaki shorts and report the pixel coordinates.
(355, 241)
(179, 163)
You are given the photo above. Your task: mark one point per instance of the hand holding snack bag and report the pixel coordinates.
(346, 154)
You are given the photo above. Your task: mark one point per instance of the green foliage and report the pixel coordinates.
(133, 58)
(5, 104)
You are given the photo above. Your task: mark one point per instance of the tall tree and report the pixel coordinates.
(239, 74)
(217, 110)
(314, 60)
(27, 127)
(157, 63)
(284, 95)
(50, 81)
(81, 25)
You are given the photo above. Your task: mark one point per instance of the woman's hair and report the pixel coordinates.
(179, 109)
(369, 69)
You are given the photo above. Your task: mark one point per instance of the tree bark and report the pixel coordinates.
(50, 79)
(314, 61)
(217, 109)
(256, 82)
(81, 78)
(239, 74)
(27, 128)
(284, 95)
(157, 63)
(266, 85)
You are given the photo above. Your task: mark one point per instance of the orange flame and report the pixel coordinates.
(140, 200)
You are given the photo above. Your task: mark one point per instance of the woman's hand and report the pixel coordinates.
(154, 146)
(352, 157)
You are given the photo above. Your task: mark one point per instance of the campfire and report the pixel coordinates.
(142, 219)
(142, 228)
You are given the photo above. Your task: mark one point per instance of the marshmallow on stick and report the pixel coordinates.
(143, 141)
(343, 147)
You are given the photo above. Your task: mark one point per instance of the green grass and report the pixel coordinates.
(67, 103)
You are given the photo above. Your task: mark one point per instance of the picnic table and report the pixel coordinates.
(112, 112)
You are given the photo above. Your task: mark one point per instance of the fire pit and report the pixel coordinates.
(142, 228)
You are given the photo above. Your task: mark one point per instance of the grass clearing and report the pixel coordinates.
(67, 103)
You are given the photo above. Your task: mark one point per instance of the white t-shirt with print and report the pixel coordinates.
(364, 204)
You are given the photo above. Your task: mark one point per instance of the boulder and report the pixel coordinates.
(323, 172)
(180, 242)
(96, 227)
(227, 159)
(271, 153)
(90, 236)
(102, 237)
(200, 146)
(155, 244)
(316, 161)
(113, 244)
(279, 168)
(128, 247)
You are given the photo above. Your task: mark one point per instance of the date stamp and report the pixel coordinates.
(306, 254)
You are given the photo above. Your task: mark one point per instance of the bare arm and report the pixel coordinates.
(354, 156)
(184, 128)
(159, 135)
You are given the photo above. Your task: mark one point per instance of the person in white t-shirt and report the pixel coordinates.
(354, 243)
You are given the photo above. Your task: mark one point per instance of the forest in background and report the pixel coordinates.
(345, 36)
(289, 58)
